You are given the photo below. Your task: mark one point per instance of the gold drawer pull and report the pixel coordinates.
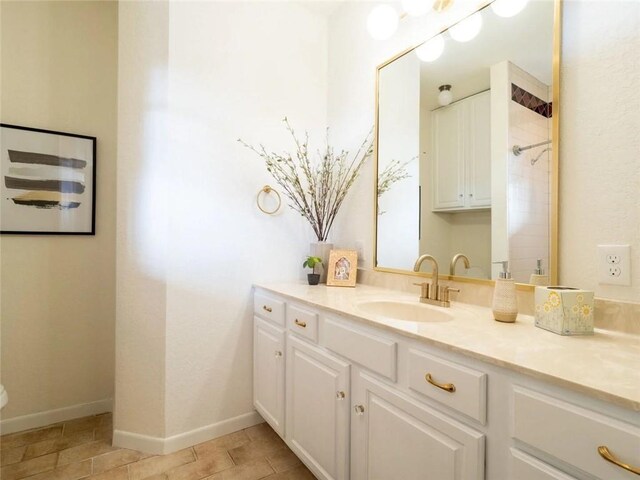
(268, 309)
(300, 324)
(606, 454)
(449, 387)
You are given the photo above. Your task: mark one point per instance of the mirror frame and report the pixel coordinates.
(553, 170)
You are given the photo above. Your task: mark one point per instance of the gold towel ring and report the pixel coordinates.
(267, 189)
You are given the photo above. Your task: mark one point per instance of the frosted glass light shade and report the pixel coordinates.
(467, 29)
(416, 8)
(445, 97)
(382, 22)
(508, 8)
(431, 50)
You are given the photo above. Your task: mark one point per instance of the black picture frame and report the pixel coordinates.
(46, 157)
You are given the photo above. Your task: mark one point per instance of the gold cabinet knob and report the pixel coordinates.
(267, 309)
(300, 324)
(448, 387)
(340, 395)
(278, 353)
(608, 456)
(359, 409)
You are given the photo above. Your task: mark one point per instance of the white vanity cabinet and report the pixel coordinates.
(461, 154)
(358, 401)
(268, 373)
(395, 437)
(318, 408)
(572, 434)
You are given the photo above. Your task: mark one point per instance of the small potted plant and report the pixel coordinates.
(311, 262)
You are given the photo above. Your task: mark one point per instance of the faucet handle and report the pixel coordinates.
(425, 289)
(445, 290)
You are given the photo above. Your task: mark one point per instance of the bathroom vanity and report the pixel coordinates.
(368, 383)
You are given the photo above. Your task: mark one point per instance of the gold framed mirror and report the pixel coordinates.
(467, 149)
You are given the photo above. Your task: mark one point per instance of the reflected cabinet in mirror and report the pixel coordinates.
(467, 149)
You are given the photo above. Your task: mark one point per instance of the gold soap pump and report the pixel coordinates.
(505, 301)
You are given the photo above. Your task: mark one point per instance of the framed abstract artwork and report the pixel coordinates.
(48, 182)
(342, 268)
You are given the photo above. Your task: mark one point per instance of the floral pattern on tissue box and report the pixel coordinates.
(563, 310)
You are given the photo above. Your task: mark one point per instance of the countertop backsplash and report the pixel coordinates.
(609, 314)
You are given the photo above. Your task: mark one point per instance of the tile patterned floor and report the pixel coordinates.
(81, 449)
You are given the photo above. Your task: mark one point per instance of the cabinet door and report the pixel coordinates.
(478, 150)
(318, 409)
(268, 373)
(394, 437)
(525, 467)
(448, 157)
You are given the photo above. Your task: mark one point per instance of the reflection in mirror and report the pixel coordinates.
(464, 149)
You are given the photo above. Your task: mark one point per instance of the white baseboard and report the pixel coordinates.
(42, 419)
(136, 441)
(159, 446)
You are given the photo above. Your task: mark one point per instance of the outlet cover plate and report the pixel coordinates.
(614, 264)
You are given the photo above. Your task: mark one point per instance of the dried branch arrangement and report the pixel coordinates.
(315, 188)
(392, 173)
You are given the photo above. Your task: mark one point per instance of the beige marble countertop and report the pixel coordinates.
(605, 365)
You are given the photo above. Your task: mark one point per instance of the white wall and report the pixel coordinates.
(142, 223)
(600, 145)
(59, 65)
(600, 44)
(224, 70)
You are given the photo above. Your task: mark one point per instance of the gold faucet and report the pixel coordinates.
(432, 293)
(454, 260)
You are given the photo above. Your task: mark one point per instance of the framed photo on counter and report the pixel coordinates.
(343, 268)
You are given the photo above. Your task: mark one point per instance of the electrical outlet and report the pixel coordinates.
(615, 264)
(614, 271)
(613, 259)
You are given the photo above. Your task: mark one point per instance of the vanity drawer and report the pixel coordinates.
(458, 387)
(525, 467)
(268, 307)
(303, 322)
(573, 434)
(375, 353)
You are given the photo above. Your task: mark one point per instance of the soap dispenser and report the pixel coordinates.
(538, 277)
(505, 302)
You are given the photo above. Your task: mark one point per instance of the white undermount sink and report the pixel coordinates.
(407, 311)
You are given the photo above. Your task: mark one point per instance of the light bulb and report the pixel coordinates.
(415, 8)
(445, 97)
(431, 49)
(508, 8)
(382, 22)
(467, 29)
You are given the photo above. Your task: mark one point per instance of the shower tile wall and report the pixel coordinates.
(528, 196)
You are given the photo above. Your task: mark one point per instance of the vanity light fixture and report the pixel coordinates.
(467, 29)
(445, 97)
(508, 8)
(431, 50)
(382, 22)
(442, 5)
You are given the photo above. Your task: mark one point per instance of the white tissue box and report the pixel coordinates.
(564, 310)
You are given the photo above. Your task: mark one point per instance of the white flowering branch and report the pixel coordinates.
(394, 172)
(315, 189)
